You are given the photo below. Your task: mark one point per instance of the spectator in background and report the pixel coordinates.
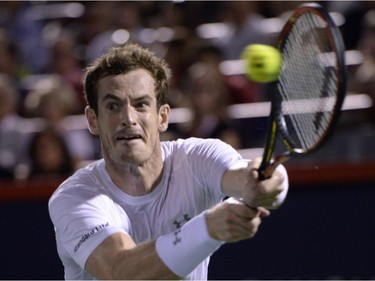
(128, 16)
(53, 99)
(207, 97)
(178, 55)
(13, 137)
(354, 12)
(50, 158)
(240, 89)
(363, 78)
(99, 21)
(245, 27)
(66, 63)
(10, 64)
(27, 33)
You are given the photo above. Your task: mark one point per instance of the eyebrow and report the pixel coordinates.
(110, 96)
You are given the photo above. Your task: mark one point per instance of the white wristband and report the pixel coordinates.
(187, 247)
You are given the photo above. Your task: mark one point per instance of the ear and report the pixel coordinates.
(92, 121)
(163, 117)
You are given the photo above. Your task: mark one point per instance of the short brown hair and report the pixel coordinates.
(120, 60)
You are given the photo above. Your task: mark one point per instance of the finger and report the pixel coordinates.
(245, 228)
(259, 212)
(263, 212)
(242, 210)
(256, 162)
(254, 174)
(254, 166)
(241, 202)
(266, 203)
(277, 177)
(252, 227)
(241, 221)
(272, 186)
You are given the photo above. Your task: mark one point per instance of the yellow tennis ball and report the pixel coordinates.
(262, 62)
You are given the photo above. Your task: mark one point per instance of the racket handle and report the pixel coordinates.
(268, 171)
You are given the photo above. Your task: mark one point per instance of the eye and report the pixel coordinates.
(141, 105)
(112, 106)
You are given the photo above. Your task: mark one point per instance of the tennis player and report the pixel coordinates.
(152, 209)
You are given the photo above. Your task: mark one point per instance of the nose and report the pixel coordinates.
(128, 116)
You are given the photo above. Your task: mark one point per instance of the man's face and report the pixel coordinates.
(128, 121)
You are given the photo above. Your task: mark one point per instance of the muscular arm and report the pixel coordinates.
(118, 257)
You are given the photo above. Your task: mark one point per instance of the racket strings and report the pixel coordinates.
(308, 81)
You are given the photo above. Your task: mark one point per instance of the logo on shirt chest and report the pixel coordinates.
(180, 221)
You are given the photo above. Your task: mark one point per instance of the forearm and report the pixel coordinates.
(236, 179)
(142, 263)
(118, 257)
(172, 256)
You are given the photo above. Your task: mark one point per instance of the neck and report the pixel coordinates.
(135, 179)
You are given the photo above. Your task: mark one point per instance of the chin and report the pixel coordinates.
(132, 157)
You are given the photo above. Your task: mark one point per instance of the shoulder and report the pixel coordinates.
(195, 145)
(200, 153)
(84, 184)
(84, 200)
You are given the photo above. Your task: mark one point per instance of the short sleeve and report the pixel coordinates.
(83, 219)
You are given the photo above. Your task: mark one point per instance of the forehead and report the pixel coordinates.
(133, 83)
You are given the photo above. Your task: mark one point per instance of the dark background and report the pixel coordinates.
(323, 231)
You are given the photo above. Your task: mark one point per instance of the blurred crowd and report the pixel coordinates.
(45, 45)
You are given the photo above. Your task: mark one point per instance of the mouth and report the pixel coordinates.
(128, 137)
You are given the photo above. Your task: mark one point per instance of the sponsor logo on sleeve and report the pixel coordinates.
(87, 235)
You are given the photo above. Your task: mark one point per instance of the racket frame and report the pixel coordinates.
(277, 124)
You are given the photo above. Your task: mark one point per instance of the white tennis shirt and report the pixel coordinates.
(88, 207)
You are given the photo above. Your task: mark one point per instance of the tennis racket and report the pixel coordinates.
(311, 86)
